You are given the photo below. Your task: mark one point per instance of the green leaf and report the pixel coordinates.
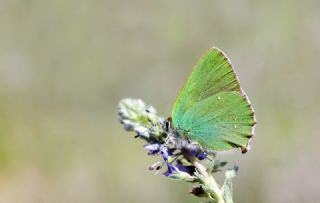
(215, 166)
(180, 175)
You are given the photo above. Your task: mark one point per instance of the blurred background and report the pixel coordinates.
(65, 64)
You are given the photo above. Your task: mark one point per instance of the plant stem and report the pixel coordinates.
(211, 182)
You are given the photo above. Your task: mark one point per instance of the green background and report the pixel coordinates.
(65, 64)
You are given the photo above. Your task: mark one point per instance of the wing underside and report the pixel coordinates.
(211, 108)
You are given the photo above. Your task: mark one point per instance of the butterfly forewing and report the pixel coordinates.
(211, 108)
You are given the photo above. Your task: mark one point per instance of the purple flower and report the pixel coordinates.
(153, 148)
(171, 170)
(187, 169)
(142, 131)
(166, 152)
(202, 155)
(198, 153)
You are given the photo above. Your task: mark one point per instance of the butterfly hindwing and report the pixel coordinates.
(220, 122)
(208, 102)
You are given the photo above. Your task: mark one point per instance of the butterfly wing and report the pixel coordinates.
(211, 108)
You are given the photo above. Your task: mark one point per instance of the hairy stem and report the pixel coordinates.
(211, 182)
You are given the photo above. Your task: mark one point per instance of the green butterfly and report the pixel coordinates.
(212, 109)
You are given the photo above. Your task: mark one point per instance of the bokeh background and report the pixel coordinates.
(65, 64)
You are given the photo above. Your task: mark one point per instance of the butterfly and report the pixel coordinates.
(212, 109)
